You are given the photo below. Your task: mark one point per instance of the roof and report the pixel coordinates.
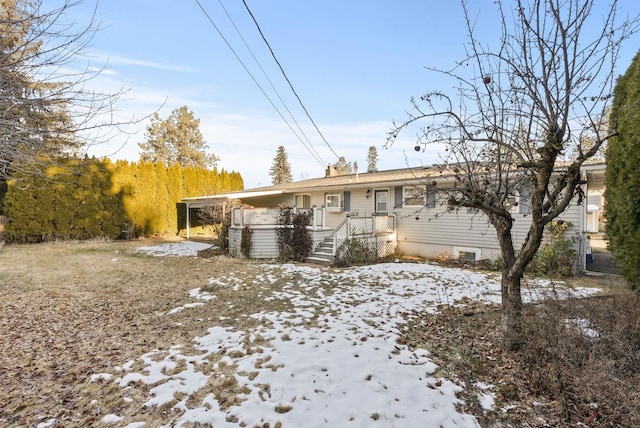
(349, 181)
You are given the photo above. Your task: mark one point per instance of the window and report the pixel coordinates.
(413, 196)
(381, 198)
(303, 201)
(519, 201)
(418, 197)
(513, 201)
(468, 254)
(333, 202)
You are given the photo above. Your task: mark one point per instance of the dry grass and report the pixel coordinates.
(71, 310)
(579, 365)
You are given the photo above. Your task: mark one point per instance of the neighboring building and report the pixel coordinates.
(396, 209)
(594, 205)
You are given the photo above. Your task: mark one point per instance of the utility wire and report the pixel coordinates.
(256, 82)
(264, 73)
(287, 79)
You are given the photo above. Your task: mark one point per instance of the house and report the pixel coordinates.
(394, 210)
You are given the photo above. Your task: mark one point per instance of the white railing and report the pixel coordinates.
(361, 227)
(374, 227)
(241, 216)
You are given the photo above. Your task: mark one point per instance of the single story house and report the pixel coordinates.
(393, 210)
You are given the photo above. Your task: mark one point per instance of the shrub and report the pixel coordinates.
(294, 240)
(219, 221)
(356, 252)
(585, 354)
(88, 198)
(556, 254)
(247, 241)
(579, 362)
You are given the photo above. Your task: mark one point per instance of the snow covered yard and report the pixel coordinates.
(335, 360)
(301, 346)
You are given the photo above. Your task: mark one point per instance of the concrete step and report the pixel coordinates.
(324, 261)
(323, 254)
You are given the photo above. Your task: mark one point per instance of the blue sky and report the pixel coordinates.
(355, 64)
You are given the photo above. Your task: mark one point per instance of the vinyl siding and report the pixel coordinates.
(264, 241)
(431, 232)
(423, 232)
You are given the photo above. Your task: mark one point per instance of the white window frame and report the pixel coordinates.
(304, 196)
(413, 193)
(376, 192)
(329, 202)
(513, 202)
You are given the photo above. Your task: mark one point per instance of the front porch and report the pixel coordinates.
(376, 231)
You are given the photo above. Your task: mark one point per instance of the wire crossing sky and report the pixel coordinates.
(320, 78)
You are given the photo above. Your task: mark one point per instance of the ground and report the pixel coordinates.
(127, 333)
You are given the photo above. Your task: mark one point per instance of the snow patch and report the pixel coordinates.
(184, 249)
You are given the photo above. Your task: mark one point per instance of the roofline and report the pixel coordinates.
(231, 195)
(432, 172)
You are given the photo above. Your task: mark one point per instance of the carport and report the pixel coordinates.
(221, 199)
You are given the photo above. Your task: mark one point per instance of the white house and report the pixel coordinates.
(394, 209)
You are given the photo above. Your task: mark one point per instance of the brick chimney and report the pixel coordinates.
(331, 171)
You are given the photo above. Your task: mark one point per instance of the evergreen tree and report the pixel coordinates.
(176, 139)
(372, 159)
(622, 182)
(34, 119)
(342, 166)
(44, 102)
(280, 171)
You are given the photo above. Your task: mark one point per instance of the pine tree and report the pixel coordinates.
(176, 139)
(45, 102)
(280, 171)
(34, 119)
(622, 182)
(342, 166)
(372, 159)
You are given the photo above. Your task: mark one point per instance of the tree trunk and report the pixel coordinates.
(511, 311)
(512, 273)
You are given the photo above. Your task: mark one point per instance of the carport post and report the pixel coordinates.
(315, 218)
(188, 221)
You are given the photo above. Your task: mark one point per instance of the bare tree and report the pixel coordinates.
(521, 108)
(46, 106)
(219, 216)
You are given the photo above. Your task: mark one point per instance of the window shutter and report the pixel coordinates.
(347, 201)
(398, 198)
(430, 198)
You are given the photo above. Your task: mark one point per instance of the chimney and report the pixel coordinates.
(330, 171)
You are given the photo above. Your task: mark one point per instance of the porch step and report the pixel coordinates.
(323, 254)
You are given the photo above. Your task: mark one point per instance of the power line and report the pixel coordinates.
(317, 158)
(287, 79)
(264, 73)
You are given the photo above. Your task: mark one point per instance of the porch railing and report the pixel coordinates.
(367, 228)
(360, 227)
(269, 216)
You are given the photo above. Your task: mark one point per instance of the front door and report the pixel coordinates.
(381, 201)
